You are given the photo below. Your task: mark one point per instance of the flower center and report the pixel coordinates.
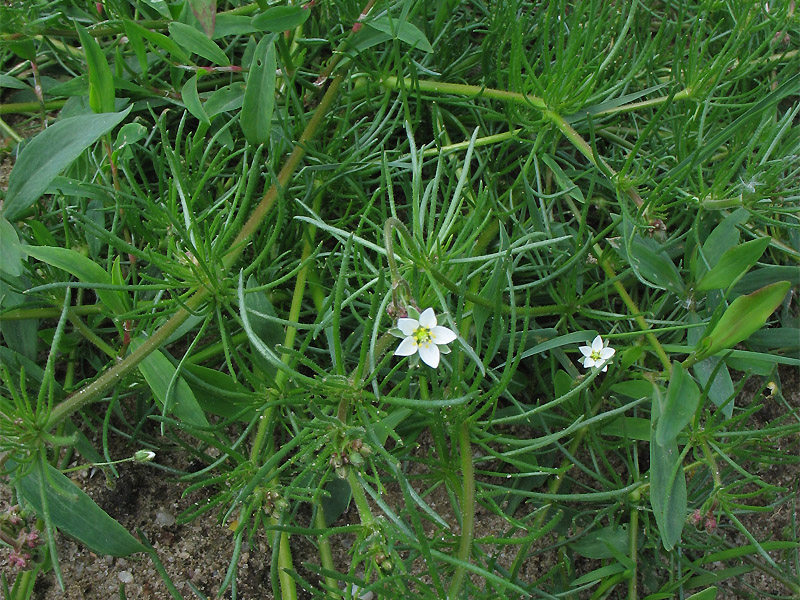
(422, 335)
(595, 355)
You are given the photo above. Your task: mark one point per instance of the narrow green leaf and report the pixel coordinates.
(76, 514)
(206, 13)
(259, 95)
(157, 39)
(281, 18)
(169, 388)
(683, 396)
(192, 40)
(85, 269)
(667, 492)
(403, 31)
(598, 574)
(49, 153)
(707, 594)
(745, 315)
(135, 40)
(734, 263)
(191, 99)
(101, 82)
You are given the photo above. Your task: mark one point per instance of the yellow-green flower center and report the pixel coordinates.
(595, 355)
(422, 335)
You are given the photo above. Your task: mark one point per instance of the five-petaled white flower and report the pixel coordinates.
(424, 336)
(596, 355)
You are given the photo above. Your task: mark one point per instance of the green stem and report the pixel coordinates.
(360, 499)
(467, 510)
(291, 332)
(30, 107)
(90, 335)
(325, 552)
(526, 100)
(634, 309)
(633, 592)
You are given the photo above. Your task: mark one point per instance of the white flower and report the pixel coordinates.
(596, 355)
(424, 336)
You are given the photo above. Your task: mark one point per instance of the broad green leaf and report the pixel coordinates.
(206, 13)
(158, 39)
(745, 315)
(191, 99)
(224, 99)
(599, 543)
(632, 428)
(220, 393)
(75, 513)
(49, 153)
(281, 18)
(10, 249)
(667, 491)
(128, 134)
(259, 95)
(336, 501)
(169, 388)
(228, 24)
(101, 82)
(19, 334)
(679, 406)
(652, 264)
(85, 269)
(721, 389)
(7, 81)
(724, 236)
(734, 263)
(161, 7)
(22, 48)
(192, 40)
(403, 31)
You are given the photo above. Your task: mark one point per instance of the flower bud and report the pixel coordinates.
(144, 456)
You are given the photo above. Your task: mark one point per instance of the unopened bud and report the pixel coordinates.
(144, 455)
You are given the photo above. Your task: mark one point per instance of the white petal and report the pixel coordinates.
(605, 368)
(429, 353)
(407, 326)
(442, 335)
(407, 347)
(597, 344)
(607, 353)
(588, 362)
(586, 350)
(428, 318)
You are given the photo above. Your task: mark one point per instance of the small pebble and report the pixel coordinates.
(164, 518)
(125, 576)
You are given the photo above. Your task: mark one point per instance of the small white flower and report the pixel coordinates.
(424, 336)
(596, 355)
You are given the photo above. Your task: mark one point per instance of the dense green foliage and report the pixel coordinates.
(209, 245)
